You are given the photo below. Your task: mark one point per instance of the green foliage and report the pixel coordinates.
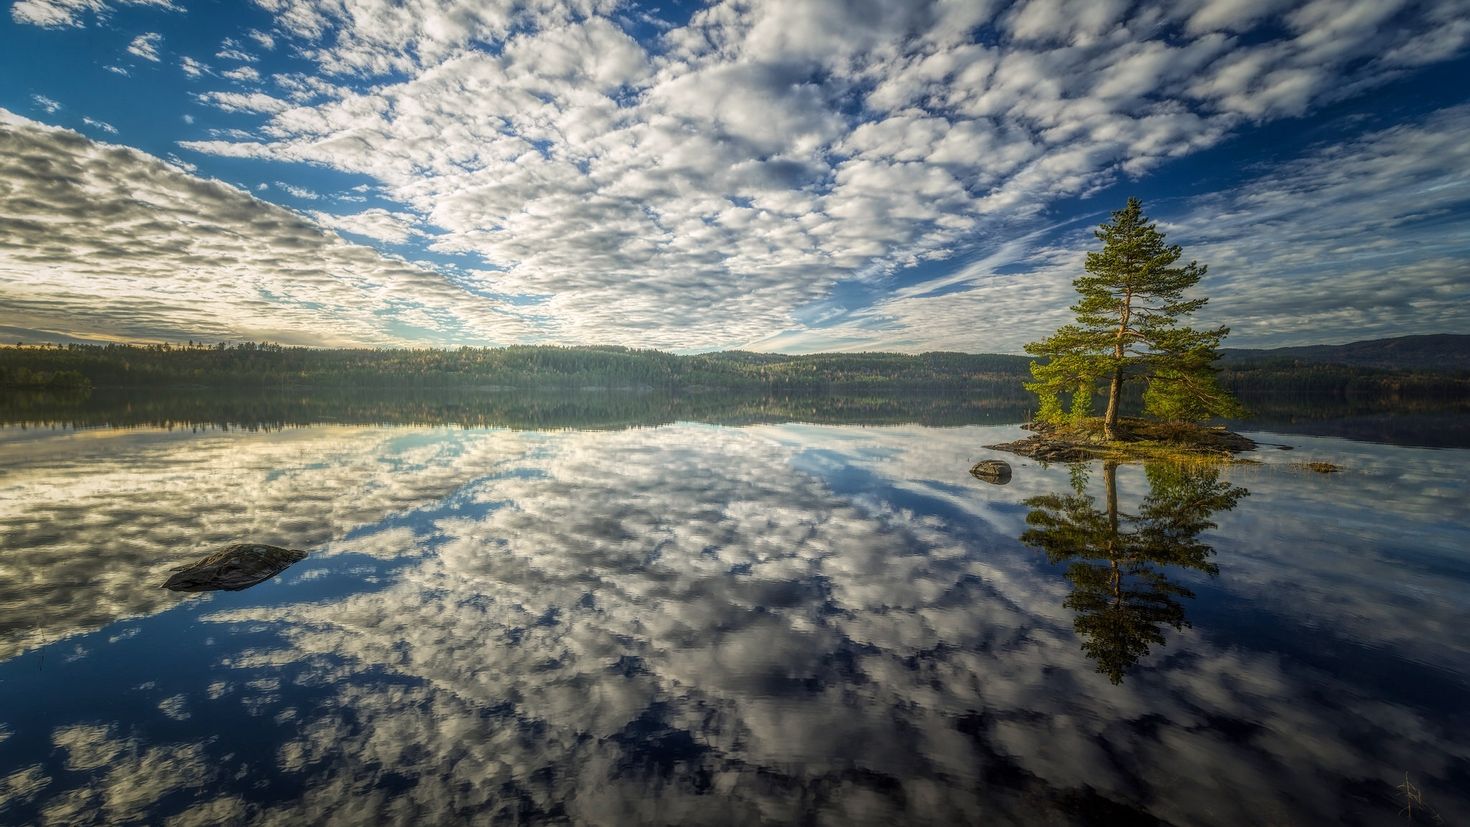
(1189, 396)
(1081, 402)
(1065, 372)
(25, 377)
(1128, 327)
(1048, 402)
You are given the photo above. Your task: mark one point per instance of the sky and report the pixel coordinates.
(791, 175)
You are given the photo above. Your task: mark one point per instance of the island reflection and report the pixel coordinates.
(1119, 563)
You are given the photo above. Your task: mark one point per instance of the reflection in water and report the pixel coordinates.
(258, 409)
(1119, 563)
(692, 624)
(92, 522)
(1391, 421)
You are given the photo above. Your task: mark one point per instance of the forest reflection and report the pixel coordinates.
(1120, 563)
(210, 409)
(193, 408)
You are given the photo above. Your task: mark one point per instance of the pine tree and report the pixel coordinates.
(1128, 327)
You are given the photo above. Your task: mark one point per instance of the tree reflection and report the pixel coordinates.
(1118, 562)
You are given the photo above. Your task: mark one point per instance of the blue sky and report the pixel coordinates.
(797, 176)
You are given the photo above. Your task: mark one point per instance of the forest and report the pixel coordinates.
(262, 365)
(1259, 382)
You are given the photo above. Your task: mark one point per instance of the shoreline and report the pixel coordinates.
(1142, 441)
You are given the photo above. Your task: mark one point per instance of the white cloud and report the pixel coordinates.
(102, 125)
(243, 74)
(231, 49)
(194, 68)
(298, 192)
(1354, 240)
(766, 151)
(112, 243)
(712, 185)
(244, 101)
(376, 223)
(146, 46)
(50, 106)
(1372, 231)
(73, 13)
(265, 39)
(379, 36)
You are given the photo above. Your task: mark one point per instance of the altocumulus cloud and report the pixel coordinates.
(708, 184)
(696, 188)
(101, 240)
(146, 46)
(1371, 232)
(65, 13)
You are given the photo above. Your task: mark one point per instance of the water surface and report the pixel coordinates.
(695, 623)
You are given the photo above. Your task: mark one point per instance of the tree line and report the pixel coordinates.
(258, 364)
(30, 379)
(73, 368)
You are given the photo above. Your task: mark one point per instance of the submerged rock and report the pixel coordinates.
(993, 471)
(235, 567)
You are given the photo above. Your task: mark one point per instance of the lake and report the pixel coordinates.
(802, 615)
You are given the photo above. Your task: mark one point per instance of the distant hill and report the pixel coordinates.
(1441, 352)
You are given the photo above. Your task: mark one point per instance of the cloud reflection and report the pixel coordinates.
(706, 625)
(91, 523)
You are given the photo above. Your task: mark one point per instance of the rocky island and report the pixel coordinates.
(1135, 440)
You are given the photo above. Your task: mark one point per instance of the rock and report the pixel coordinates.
(1321, 467)
(1045, 450)
(993, 471)
(233, 568)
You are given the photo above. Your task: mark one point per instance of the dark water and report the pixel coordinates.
(697, 623)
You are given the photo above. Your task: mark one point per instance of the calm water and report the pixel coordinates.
(695, 623)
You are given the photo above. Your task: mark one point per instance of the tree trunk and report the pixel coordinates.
(1115, 387)
(1115, 390)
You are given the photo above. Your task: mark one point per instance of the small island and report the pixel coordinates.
(1128, 331)
(1136, 440)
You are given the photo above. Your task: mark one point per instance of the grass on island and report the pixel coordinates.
(1148, 440)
